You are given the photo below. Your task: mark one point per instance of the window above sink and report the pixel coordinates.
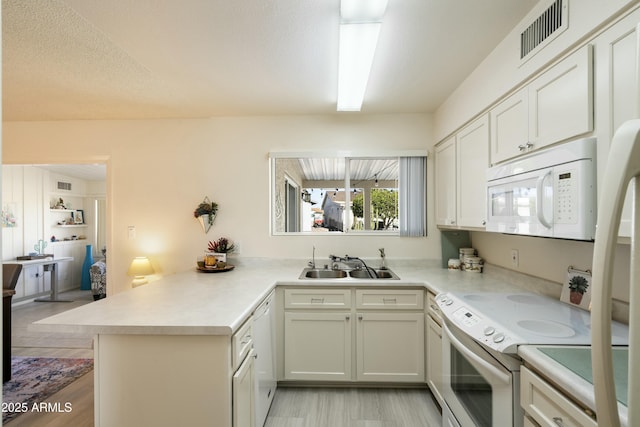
(339, 195)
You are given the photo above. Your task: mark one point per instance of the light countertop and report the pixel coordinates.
(195, 303)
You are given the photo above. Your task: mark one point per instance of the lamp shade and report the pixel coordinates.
(140, 266)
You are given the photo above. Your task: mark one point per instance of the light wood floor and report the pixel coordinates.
(292, 406)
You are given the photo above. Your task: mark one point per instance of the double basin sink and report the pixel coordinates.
(371, 274)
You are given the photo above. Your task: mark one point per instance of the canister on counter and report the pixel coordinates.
(473, 264)
(454, 264)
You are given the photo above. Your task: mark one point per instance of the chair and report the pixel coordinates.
(10, 275)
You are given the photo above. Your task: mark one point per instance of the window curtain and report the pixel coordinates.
(413, 196)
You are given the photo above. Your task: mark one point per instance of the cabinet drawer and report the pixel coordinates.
(549, 407)
(241, 343)
(407, 299)
(317, 298)
(434, 309)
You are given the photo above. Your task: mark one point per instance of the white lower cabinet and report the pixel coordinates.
(357, 342)
(548, 406)
(434, 358)
(317, 346)
(390, 347)
(243, 393)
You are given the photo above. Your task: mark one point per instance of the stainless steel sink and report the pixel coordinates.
(379, 274)
(319, 273)
(316, 273)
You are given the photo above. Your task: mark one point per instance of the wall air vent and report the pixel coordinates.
(64, 186)
(544, 28)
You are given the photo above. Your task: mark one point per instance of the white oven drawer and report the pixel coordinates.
(547, 406)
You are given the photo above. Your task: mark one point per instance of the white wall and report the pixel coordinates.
(159, 170)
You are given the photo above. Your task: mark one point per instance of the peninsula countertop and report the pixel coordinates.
(195, 303)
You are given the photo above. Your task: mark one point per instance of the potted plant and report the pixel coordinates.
(577, 287)
(220, 248)
(205, 213)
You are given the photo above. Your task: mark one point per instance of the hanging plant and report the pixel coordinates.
(205, 213)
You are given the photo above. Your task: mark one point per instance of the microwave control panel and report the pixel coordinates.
(566, 199)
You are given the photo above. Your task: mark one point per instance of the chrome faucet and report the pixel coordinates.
(383, 261)
(348, 260)
(312, 263)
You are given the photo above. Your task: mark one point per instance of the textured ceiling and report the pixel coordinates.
(127, 59)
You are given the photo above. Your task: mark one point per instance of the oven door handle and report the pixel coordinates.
(495, 372)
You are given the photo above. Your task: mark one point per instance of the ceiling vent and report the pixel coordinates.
(64, 186)
(543, 29)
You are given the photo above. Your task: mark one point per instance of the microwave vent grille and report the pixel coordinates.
(543, 29)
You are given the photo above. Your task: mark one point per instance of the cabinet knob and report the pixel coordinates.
(359, 316)
(347, 317)
(484, 222)
(558, 421)
(522, 147)
(529, 145)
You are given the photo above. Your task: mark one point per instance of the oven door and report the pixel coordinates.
(478, 390)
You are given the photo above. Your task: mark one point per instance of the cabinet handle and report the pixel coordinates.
(522, 147)
(529, 145)
(317, 300)
(389, 300)
(484, 222)
(359, 316)
(435, 308)
(558, 421)
(347, 317)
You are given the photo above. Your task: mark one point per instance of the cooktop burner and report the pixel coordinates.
(502, 321)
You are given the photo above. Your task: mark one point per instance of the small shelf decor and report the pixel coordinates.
(205, 213)
(217, 250)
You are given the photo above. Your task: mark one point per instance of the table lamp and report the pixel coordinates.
(140, 267)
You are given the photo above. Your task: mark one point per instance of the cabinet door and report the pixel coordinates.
(243, 387)
(561, 100)
(509, 127)
(618, 92)
(33, 283)
(445, 182)
(317, 346)
(472, 163)
(378, 334)
(434, 358)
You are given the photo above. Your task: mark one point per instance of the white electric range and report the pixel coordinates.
(481, 335)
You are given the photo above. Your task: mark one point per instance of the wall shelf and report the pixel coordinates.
(62, 210)
(71, 226)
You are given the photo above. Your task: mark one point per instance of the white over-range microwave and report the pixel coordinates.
(550, 193)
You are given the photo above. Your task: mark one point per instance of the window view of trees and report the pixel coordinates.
(384, 209)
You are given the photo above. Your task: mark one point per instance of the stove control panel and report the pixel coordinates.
(481, 329)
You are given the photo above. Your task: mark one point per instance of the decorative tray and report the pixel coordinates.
(216, 270)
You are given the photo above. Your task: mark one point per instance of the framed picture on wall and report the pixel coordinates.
(78, 216)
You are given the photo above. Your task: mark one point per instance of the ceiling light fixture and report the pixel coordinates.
(359, 29)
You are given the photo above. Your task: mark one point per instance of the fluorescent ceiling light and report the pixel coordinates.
(357, 48)
(359, 30)
(362, 10)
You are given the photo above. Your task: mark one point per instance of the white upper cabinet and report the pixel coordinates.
(617, 91)
(561, 100)
(472, 164)
(461, 164)
(555, 106)
(510, 127)
(445, 182)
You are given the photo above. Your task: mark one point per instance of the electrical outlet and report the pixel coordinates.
(515, 260)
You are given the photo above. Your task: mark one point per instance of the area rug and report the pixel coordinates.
(34, 379)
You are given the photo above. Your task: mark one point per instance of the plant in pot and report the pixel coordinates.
(205, 213)
(218, 250)
(578, 285)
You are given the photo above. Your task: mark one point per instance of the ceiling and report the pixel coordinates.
(86, 172)
(134, 59)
